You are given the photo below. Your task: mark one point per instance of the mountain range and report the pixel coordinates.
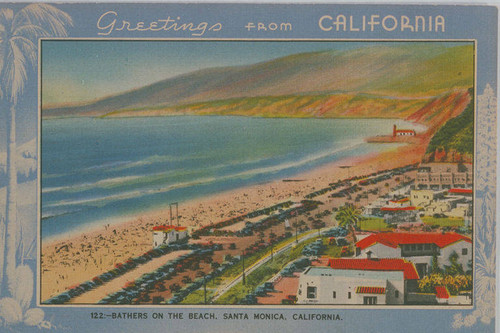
(378, 81)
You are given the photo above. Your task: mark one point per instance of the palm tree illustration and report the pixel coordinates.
(19, 34)
(348, 216)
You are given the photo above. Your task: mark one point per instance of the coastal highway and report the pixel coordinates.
(260, 262)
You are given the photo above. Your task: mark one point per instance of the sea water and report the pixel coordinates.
(94, 170)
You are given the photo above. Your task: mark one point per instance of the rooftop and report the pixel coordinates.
(395, 209)
(168, 228)
(442, 292)
(410, 273)
(378, 275)
(395, 239)
(460, 191)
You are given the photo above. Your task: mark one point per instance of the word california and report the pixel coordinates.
(386, 23)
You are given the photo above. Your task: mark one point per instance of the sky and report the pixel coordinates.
(78, 71)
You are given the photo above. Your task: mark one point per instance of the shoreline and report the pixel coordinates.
(121, 221)
(99, 248)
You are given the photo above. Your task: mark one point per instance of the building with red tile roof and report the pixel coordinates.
(406, 267)
(357, 281)
(418, 248)
(402, 132)
(460, 191)
(168, 234)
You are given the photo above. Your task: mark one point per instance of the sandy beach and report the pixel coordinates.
(78, 258)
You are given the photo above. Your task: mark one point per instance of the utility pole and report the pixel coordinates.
(177, 212)
(176, 204)
(272, 245)
(296, 233)
(205, 287)
(243, 258)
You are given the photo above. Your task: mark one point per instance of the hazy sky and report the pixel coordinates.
(76, 71)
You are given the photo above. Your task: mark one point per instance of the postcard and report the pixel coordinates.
(254, 167)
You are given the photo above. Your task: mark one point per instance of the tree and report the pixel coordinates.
(348, 216)
(434, 269)
(455, 268)
(174, 287)
(19, 34)
(318, 224)
(272, 236)
(295, 225)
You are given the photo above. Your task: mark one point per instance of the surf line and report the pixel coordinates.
(109, 22)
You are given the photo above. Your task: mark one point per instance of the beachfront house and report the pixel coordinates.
(418, 248)
(357, 282)
(168, 234)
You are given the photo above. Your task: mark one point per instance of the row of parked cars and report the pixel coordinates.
(346, 191)
(262, 290)
(119, 269)
(296, 266)
(206, 230)
(313, 249)
(331, 187)
(265, 223)
(131, 292)
(335, 232)
(180, 295)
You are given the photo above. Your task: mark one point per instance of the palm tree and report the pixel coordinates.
(348, 216)
(318, 224)
(19, 34)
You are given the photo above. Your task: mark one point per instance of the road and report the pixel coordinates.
(222, 290)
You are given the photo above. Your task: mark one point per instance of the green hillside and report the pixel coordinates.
(457, 135)
(297, 106)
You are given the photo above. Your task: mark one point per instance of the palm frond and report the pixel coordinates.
(14, 73)
(30, 31)
(27, 47)
(50, 18)
(23, 30)
(6, 16)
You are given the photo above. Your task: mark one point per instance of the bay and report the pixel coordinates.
(94, 170)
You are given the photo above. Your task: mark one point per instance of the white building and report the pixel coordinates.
(423, 198)
(168, 234)
(357, 281)
(419, 248)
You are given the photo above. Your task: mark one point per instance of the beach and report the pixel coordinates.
(80, 257)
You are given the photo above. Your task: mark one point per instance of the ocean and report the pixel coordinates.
(100, 170)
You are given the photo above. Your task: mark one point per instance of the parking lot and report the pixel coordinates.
(98, 293)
